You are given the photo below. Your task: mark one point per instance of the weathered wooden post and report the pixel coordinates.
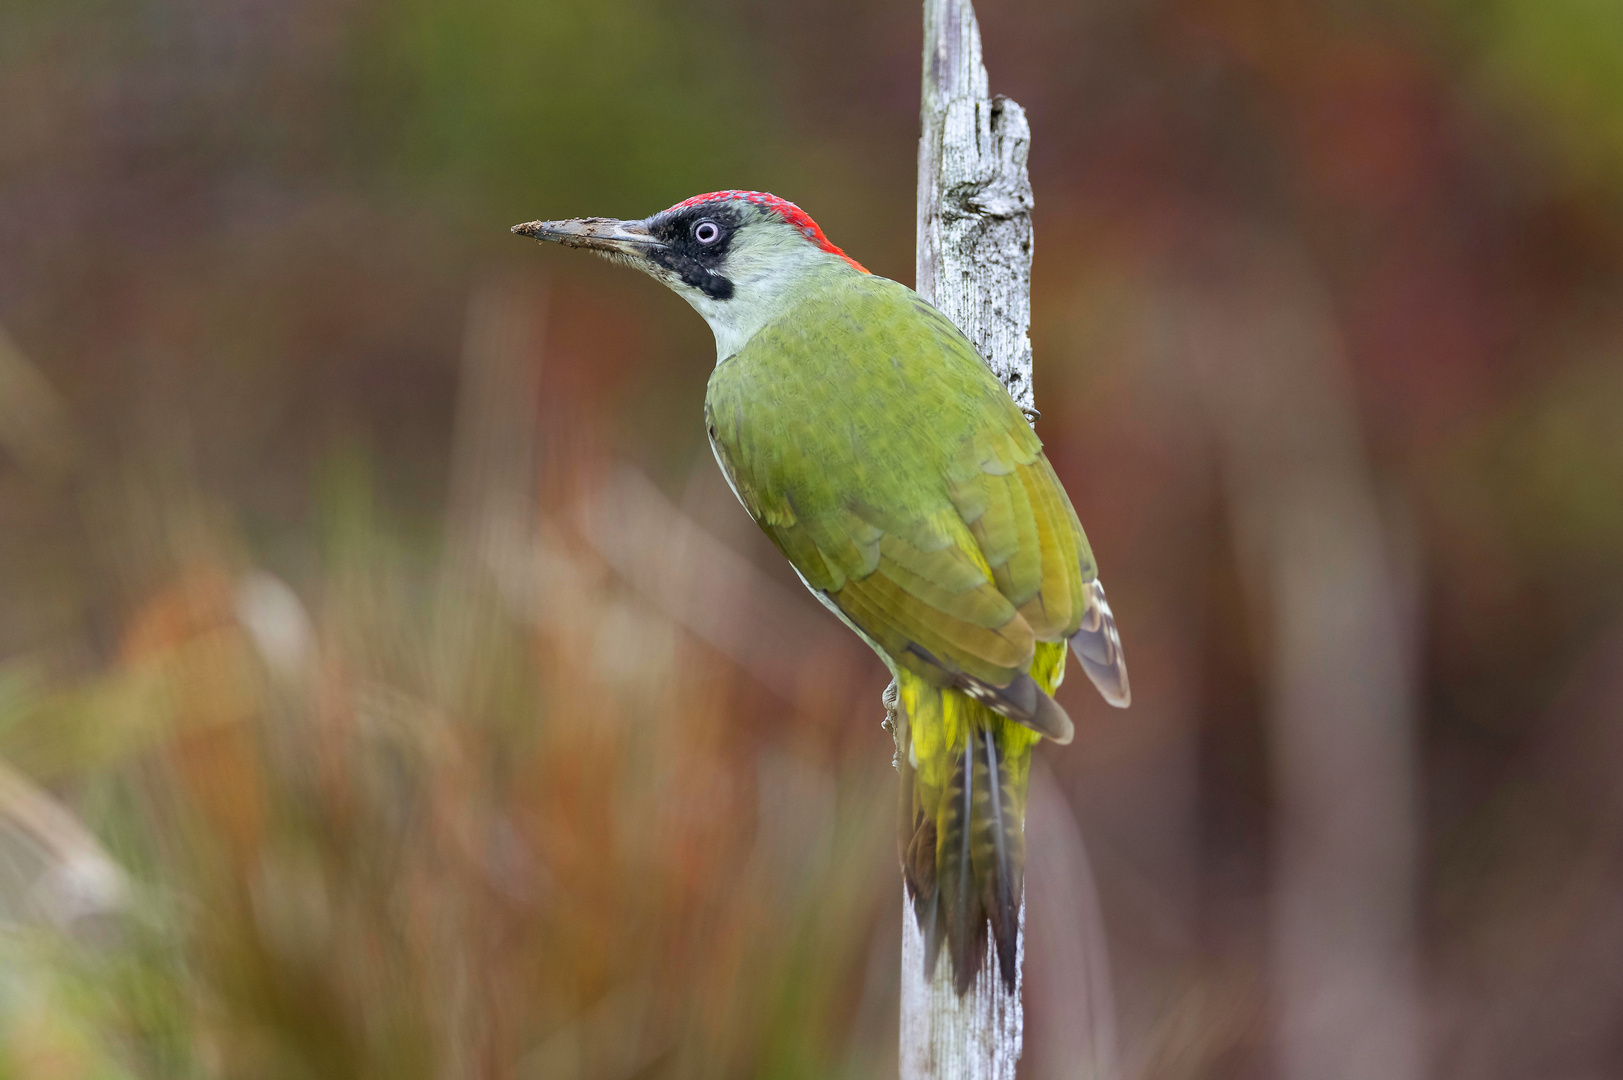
(974, 264)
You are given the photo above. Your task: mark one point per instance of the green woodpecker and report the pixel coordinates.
(866, 437)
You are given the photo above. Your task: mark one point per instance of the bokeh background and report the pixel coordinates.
(390, 687)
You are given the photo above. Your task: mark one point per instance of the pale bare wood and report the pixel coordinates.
(974, 264)
(974, 198)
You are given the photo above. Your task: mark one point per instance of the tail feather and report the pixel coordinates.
(963, 826)
(961, 900)
(1006, 877)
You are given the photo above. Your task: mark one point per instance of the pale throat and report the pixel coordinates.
(768, 278)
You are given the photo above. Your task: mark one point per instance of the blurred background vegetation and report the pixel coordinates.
(390, 687)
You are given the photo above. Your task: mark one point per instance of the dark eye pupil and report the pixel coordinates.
(707, 232)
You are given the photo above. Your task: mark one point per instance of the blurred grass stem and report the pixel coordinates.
(1319, 562)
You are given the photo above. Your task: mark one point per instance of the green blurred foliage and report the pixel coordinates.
(1558, 68)
(514, 105)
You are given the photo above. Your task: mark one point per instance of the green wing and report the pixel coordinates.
(867, 438)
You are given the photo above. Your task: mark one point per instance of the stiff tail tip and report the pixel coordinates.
(1098, 647)
(963, 850)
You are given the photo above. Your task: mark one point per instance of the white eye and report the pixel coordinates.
(707, 232)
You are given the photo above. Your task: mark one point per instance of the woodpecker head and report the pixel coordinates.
(739, 257)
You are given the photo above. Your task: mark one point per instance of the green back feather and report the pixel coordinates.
(865, 435)
(885, 461)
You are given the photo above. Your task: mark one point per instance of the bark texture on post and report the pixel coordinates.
(974, 264)
(974, 239)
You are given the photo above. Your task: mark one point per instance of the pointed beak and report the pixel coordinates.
(602, 234)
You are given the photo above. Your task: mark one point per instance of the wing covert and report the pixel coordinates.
(899, 478)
